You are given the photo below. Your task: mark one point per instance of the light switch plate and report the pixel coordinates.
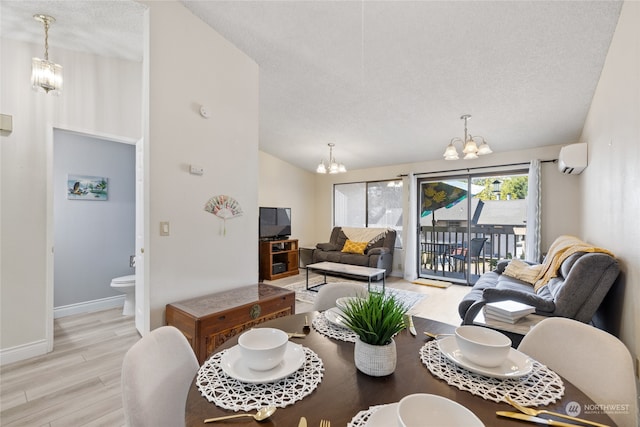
(164, 228)
(6, 123)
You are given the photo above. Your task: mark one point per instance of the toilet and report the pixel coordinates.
(127, 285)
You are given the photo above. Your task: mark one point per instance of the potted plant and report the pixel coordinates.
(376, 319)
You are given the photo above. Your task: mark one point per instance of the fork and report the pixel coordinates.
(325, 423)
(536, 412)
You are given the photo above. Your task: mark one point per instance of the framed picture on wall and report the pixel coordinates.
(83, 187)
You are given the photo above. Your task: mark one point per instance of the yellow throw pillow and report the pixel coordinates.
(352, 247)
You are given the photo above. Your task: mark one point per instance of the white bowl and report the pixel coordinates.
(263, 348)
(483, 346)
(419, 410)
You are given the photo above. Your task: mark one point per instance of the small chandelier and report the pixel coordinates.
(470, 146)
(46, 75)
(333, 166)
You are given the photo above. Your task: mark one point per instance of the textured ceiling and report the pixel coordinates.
(111, 28)
(386, 81)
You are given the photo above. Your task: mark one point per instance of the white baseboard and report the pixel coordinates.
(88, 306)
(23, 352)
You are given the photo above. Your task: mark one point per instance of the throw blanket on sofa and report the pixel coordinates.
(562, 248)
(362, 234)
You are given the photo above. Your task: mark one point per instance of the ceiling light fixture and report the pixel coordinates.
(333, 166)
(46, 75)
(470, 146)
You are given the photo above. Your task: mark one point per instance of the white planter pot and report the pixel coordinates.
(375, 360)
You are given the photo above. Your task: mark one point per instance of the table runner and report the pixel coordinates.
(228, 393)
(539, 388)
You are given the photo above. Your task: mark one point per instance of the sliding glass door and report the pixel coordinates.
(467, 223)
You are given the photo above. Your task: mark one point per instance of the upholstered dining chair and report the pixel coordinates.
(329, 293)
(157, 372)
(593, 360)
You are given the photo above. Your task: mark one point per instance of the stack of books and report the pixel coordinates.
(507, 311)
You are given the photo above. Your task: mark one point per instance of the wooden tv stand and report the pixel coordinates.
(278, 259)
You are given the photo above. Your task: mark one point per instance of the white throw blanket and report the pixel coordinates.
(362, 234)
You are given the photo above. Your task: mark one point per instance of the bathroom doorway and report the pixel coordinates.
(94, 192)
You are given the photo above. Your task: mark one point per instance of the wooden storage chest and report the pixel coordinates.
(210, 320)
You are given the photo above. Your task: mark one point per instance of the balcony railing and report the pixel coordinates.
(445, 250)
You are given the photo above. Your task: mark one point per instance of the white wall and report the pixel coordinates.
(610, 185)
(107, 107)
(281, 184)
(559, 192)
(192, 65)
(93, 238)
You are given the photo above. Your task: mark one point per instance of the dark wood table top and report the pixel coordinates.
(217, 303)
(344, 391)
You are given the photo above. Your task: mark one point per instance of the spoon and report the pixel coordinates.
(262, 414)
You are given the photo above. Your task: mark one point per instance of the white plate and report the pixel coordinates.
(384, 417)
(232, 364)
(517, 364)
(334, 316)
(342, 302)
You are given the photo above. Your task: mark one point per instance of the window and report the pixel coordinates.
(375, 204)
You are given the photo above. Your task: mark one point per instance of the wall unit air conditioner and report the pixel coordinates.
(573, 158)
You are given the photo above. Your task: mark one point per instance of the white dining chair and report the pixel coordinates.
(329, 293)
(157, 372)
(593, 360)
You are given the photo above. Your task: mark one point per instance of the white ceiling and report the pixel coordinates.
(386, 81)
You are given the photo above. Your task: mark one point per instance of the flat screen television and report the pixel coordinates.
(274, 223)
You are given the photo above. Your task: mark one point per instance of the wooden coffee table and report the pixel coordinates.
(347, 269)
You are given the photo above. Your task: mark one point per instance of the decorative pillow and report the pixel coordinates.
(352, 247)
(522, 271)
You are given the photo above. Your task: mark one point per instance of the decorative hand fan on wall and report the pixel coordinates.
(224, 207)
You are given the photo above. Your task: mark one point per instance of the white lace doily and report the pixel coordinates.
(322, 325)
(540, 387)
(229, 393)
(362, 417)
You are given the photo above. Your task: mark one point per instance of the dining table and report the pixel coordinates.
(344, 391)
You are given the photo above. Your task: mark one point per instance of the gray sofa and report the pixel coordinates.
(582, 283)
(378, 253)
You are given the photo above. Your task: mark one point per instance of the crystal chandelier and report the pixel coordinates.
(46, 75)
(470, 146)
(333, 166)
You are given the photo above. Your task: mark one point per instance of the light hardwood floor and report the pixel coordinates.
(78, 384)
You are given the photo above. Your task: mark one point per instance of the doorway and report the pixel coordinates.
(466, 223)
(94, 237)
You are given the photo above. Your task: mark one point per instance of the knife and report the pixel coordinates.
(303, 422)
(411, 327)
(533, 419)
